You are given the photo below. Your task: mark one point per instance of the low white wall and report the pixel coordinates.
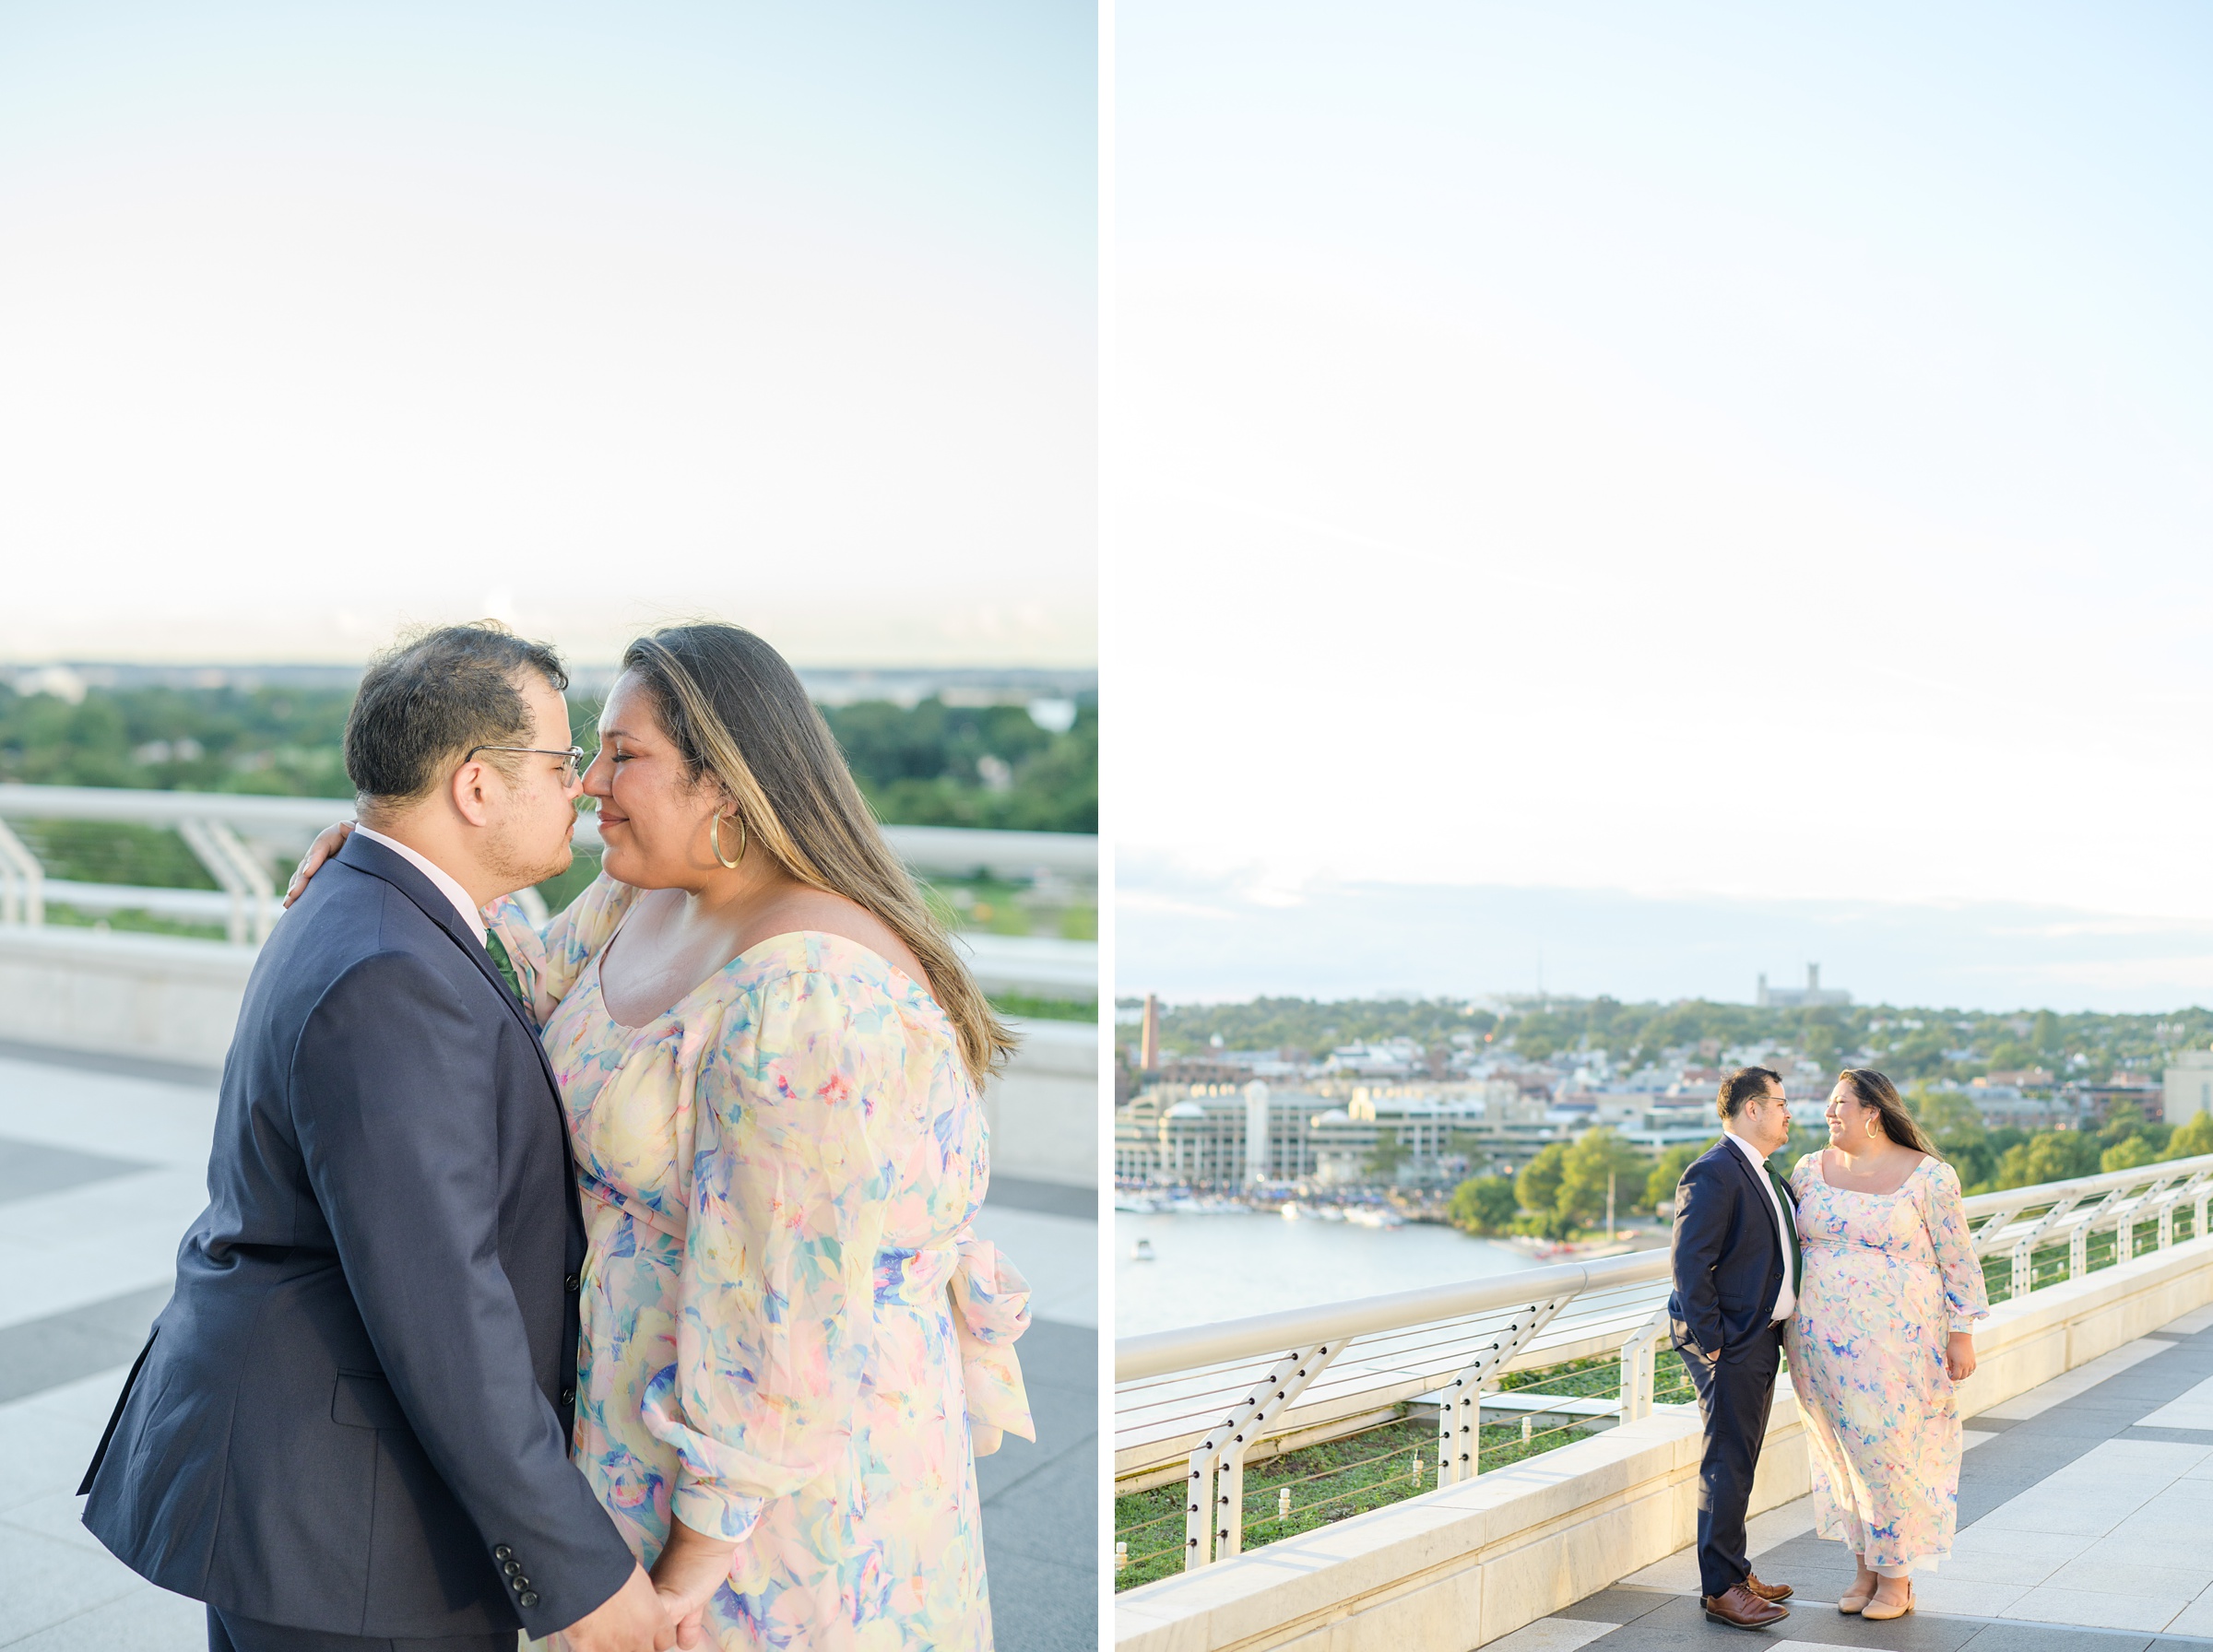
(1454, 1569)
(152, 996)
(169, 999)
(1044, 1108)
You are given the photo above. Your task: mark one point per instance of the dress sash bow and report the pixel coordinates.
(990, 1309)
(990, 1303)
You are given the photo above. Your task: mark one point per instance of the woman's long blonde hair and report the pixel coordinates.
(736, 713)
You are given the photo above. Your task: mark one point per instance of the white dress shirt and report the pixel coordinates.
(447, 885)
(1786, 1298)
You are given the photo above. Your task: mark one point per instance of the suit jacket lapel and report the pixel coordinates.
(377, 860)
(1765, 1196)
(1787, 1202)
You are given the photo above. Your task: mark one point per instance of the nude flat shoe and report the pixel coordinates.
(1874, 1613)
(1852, 1603)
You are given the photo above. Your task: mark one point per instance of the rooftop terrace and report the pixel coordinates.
(102, 1166)
(1506, 1463)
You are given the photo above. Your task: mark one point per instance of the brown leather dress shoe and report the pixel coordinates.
(1741, 1609)
(1767, 1591)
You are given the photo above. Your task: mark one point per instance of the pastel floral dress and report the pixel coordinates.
(788, 1329)
(1888, 1278)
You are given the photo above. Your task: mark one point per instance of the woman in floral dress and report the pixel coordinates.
(771, 1056)
(1881, 1335)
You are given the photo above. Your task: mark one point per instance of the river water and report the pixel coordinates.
(1225, 1267)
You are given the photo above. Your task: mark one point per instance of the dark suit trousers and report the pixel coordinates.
(1734, 1395)
(227, 1632)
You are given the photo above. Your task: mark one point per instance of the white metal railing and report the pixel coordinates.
(289, 824)
(22, 881)
(1195, 1404)
(237, 837)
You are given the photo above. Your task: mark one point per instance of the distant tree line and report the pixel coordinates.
(1908, 1043)
(930, 764)
(1564, 1188)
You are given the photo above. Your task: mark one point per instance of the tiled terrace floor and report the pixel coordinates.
(2085, 1524)
(102, 1166)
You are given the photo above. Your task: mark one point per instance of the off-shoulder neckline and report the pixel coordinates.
(901, 983)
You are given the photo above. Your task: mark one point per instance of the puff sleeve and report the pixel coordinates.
(1965, 1295)
(789, 1195)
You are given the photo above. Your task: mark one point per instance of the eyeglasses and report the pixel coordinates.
(572, 759)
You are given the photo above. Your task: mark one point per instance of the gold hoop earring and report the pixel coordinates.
(714, 842)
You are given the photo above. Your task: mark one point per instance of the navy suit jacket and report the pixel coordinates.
(354, 1413)
(1727, 1255)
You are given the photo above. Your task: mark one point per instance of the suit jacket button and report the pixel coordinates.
(568, 1397)
(571, 1283)
(527, 1598)
(503, 1552)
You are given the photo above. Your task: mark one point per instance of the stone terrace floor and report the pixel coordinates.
(102, 1167)
(2085, 1524)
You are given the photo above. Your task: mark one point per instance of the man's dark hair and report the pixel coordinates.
(432, 696)
(1746, 1085)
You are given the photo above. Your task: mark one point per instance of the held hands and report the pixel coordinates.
(1959, 1356)
(635, 1618)
(686, 1620)
(692, 1567)
(327, 843)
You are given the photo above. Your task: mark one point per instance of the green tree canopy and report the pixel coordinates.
(2124, 1120)
(1485, 1204)
(1955, 1129)
(2192, 1137)
(2131, 1154)
(1538, 1185)
(2048, 1156)
(1660, 1181)
(1594, 1155)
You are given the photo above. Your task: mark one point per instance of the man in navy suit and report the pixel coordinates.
(350, 1427)
(1736, 1280)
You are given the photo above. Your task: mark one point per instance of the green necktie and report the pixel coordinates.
(1789, 1223)
(505, 964)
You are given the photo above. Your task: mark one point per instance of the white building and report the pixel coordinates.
(1257, 1163)
(1812, 996)
(2189, 1086)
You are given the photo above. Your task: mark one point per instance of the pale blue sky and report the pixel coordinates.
(583, 313)
(1704, 453)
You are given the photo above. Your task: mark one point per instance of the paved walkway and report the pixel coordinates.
(102, 1167)
(2085, 1524)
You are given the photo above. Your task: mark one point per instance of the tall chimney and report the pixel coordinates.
(1148, 1049)
(1812, 978)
